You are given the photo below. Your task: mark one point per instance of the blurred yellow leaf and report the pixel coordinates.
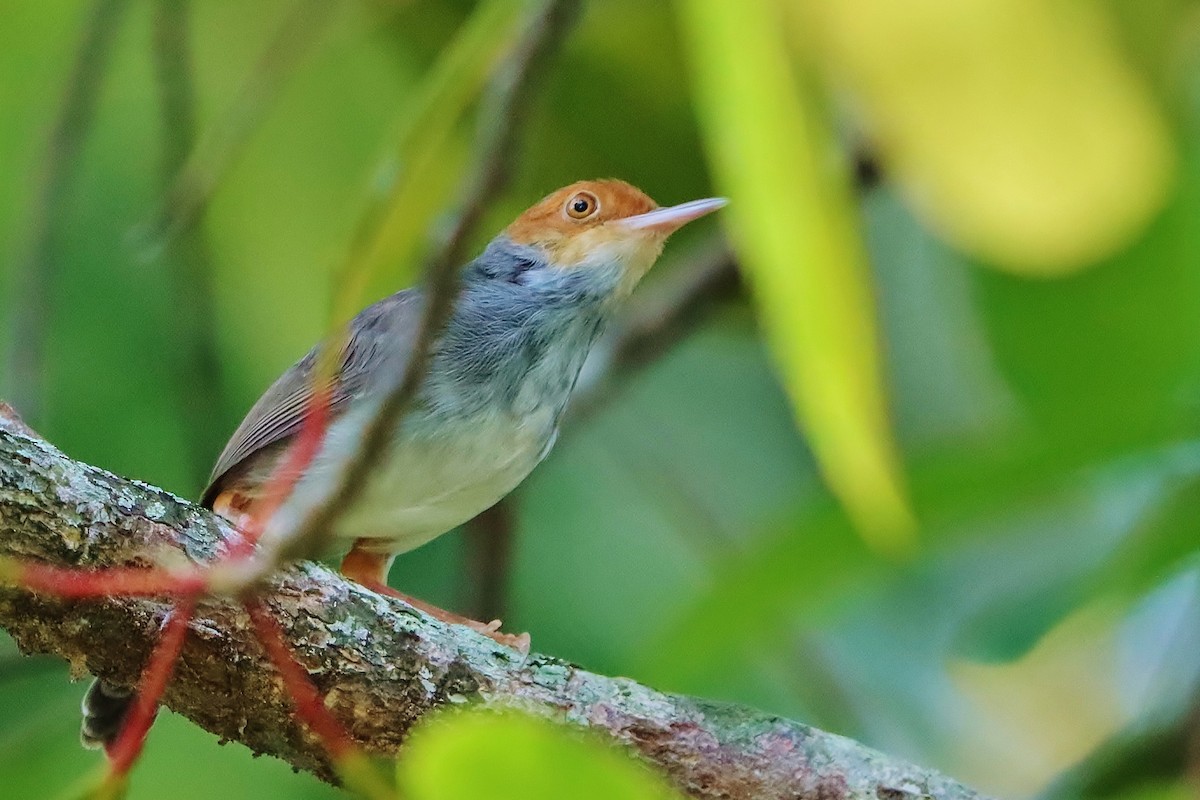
(1042, 713)
(489, 756)
(412, 189)
(1015, 125)
(794, 227)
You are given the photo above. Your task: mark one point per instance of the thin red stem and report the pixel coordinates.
(299, 455)
(123, 752)
(188, 585)
(310, 707)
(79, 584)
(352, 765)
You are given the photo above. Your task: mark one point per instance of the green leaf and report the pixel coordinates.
(796, 232)
(1160, 548)
(480, 755)
(1010, 627)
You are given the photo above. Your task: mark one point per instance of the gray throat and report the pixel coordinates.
(515, 344)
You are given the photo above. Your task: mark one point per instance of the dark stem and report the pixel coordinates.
(546, 30)
(203, 168)
(38, 274)
(489, 558)
(196, 363)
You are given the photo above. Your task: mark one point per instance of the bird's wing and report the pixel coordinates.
(382, 334)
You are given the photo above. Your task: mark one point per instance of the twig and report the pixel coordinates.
(397, 208)
(547, 29)
(662, 317)
(489, 557)
(204, 167)
(657, 321)
(197, 379)
(177, 92)
(38, 274)
(380, 665)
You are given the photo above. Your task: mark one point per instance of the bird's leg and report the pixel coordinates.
(370, 568)
(351, 763)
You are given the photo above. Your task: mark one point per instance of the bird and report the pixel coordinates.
(527, 310)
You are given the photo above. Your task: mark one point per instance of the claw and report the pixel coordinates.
(517, 641)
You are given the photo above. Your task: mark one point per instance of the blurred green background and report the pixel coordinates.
(990, 564)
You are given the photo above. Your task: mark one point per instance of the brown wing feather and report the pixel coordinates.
(382, 331)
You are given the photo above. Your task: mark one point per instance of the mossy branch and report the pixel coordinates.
(381, 664)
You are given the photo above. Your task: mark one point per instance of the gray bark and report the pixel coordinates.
(381, 664)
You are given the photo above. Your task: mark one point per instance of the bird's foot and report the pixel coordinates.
(517, 641)
(368, 567)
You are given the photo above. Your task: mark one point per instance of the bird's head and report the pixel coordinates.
(605, 226)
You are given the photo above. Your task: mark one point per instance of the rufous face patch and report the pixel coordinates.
(558, 222)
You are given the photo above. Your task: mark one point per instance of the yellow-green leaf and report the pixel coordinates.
(99, 785)
(1016, 126)
(482, 755)
(411, 189)
(361, 776)
(795, 230)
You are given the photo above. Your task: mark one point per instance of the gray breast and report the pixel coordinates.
(510, 347)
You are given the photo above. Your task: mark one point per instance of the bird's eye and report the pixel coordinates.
(582, 205)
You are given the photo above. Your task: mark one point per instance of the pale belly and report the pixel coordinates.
(432, 483)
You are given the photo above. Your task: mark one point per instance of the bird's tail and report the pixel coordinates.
(104, 708)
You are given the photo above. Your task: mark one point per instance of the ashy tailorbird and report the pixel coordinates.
(528, 310)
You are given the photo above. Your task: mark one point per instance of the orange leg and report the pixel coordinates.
(370, 568)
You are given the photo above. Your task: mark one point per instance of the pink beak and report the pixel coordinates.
(670, 219)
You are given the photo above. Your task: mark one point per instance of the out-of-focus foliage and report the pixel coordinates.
(801, 248)
(410, 187)
(1042, 635)
(1017, 125)
(514, 757)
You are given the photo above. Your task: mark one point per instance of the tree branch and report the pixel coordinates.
(490, 538)
(381, 664)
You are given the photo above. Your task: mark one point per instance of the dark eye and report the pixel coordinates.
(582, 205)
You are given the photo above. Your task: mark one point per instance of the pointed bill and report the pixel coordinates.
(668, 220)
